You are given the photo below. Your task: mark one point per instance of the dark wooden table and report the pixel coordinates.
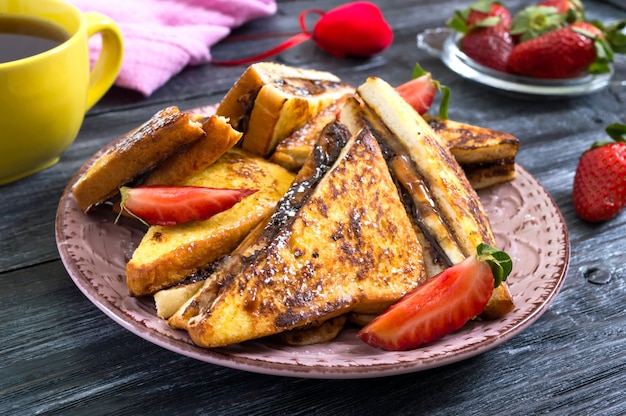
(60, 354)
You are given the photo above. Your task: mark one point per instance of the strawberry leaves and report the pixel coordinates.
(616, 131)
(534, 21)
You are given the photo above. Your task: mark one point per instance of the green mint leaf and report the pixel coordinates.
(500, 262)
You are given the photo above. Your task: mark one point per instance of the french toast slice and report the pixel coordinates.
(340, 240)
(292, 152)
(168, 301)
(135, 154)
(167, 255)
(219, 137)
(486, 156)
(449, 212)
(269, 101)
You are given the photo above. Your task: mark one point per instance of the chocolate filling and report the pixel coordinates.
(412, 189)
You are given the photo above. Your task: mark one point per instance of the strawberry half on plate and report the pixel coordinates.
(440, 306)
(171, 205)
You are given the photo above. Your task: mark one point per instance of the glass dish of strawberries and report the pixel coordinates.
(548, 48)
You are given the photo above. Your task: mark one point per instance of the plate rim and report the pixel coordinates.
(220, 356)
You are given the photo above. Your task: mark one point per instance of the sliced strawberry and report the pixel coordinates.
(441, 305)
(420, 91)
(171, 205)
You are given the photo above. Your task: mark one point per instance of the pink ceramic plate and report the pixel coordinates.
(527, 223)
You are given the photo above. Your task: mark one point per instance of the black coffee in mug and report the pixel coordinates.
(22, 36)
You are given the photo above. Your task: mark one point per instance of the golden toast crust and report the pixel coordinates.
(292, 152)
(167, 255)
(486, 156)
(220, 136)
(134, 154)
(351, 246)
(275, 100)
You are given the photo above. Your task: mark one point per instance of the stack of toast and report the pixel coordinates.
(359, 200)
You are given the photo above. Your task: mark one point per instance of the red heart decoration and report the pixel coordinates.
(356, 29)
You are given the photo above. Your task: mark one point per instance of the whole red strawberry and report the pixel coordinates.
(599, 191)
(563, 53)
(489, 46)
(485, 25)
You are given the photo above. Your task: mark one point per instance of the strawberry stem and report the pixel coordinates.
(499, 261)
(534, 21)
(614, 34)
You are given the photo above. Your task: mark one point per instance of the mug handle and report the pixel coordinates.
(107, 67)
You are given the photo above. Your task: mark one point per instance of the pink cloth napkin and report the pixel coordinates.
(161, 37)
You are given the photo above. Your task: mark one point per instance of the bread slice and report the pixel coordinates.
(487, 156)
(339, 241)
(134, 154)
(167, 255)
(219, 137)
(270, 101)
(168, 301)
(450, 213)
(292, 152)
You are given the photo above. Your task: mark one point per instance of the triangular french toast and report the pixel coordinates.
(447, 209)
(339, 241)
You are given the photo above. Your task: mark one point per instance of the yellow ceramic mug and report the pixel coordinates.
(44, 96)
